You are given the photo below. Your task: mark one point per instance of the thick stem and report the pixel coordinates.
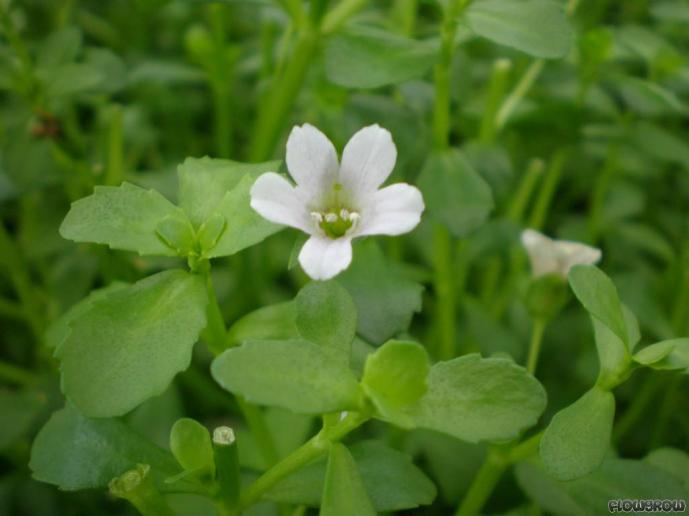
(537, 331)
(312, 449)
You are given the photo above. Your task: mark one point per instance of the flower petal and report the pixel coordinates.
(276, 200)
(367, 160)
(541, 251)
(323, 258)
(393, 210)
(575, 253)
(311, 160)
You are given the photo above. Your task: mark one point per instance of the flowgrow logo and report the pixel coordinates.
(647, 505)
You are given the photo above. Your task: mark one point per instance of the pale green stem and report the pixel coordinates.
(220, 84)
(548, 188)
(340, 14)
(404, 14)
(483, 484)
(520, 90)
(537, 330)
(215, 335)
(445, 292)
(600, 191)
(526, 187)
(496, 90)
(312, 449)
(498, 459)
(275, 109)
(641, 400)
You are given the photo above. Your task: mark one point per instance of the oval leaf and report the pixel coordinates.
(344, 493)
(129, 345)
(294, 374)
(538, 27)
(578, 437)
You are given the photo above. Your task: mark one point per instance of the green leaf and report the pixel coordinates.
(455, 194)
(395, 377)
(384, 298)
(616, 479)
(363, 57)
(294, 374)
(129, 345)
(215, 195)
(273, 322)
(205, 182)
(660, 143)
(392, 481)
(60, 47)
(74, 452)
(18, 411)
(598, 295)
(648, 98)
(538, 27)
(191, 445)
(578, 437)
(58, 330)
(326, 315)
(673, 461)
(479, 399)
(243, 226)
(665, 355)
(123, 217)
(344, 493)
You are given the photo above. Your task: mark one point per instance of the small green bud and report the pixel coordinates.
(190, 443)
(177, 234)
(129, 482)
(546, 296)
(210, 232)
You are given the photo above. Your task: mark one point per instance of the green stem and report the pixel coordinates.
(340, 14)
(445, 292)
(11, 373)
(496, 90)
(312, 449)
(600, 191)
(548, 188)
(276, 107)
(260, 431)
(114, 174)
(537, 330)
(404, 14)
(215, 336)
(666, 412)
(220, 84)
(525, 189)
(520, 90)
(483, 484)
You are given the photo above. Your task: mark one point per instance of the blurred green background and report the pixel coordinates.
(97, 92)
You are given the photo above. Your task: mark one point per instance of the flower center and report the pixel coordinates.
(336, 224)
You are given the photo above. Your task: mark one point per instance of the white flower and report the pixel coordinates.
(548, 256)
(336, 202)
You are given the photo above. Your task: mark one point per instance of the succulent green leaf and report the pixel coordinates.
(326, 315)
(123, 217)
(538, 27)
(578, 437)
(129, 345)
(362, 57)
(479, 399)
(598, 295)
(615, 479)
(273, 322)
(74, 452)
(454, 193)
(294, 374)
(176, 232)
(392, 481)
(395, 377)
(344, 493)
(665, 355)
(191, 445)
(673, 461)
(385, 299)
(58, 330)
